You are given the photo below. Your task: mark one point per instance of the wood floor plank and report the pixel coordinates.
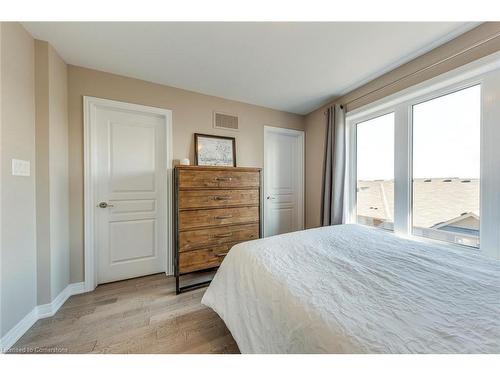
(142, 315)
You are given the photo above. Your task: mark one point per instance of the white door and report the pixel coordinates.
(130, 193)
(283, 180)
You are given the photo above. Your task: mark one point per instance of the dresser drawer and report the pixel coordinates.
(217, 198)
(217, 216)
(200, 238)
(218, 179)
(196, 260)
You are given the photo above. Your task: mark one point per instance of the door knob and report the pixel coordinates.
(104, 205)
(269, 197)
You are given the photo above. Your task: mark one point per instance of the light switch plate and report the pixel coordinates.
(20, 167)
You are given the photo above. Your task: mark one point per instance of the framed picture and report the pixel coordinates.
(214, 150)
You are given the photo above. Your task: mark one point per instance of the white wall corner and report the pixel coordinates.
(39, 312)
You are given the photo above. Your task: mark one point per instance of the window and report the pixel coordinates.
(375, 172)
(425, 162)
(446, 161)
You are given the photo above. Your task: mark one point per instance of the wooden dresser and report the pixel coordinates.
(214, 209)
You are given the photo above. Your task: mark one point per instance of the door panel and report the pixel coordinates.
(132, 240)
(283, 181)
(133, 206)
(132, 153)
(131, 178)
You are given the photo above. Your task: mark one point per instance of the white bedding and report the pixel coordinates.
(351, 289)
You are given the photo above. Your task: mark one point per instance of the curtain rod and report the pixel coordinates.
(456, 54)
(326, 112)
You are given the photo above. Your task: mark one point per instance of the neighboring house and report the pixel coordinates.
(467, 223)
(444, 204)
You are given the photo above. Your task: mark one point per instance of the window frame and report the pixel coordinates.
(353, 156)
(431, 96)
(484, 72)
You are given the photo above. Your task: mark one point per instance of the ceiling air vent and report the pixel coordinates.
(225, 121)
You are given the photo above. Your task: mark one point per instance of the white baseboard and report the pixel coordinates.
(77, 288)
(18, 330)
(39, 312)
(49, 309)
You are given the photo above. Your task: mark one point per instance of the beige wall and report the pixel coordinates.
(42, 171)
(192, 112)
(315, 125)
(59, 174)
(52, 181)
(18, 246)
(477, 43)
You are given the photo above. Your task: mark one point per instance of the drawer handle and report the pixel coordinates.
(222, 254)
(223, 178)
(222, 198)
(224, 235)
(224, 217)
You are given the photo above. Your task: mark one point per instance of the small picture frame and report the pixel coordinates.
(214, 150)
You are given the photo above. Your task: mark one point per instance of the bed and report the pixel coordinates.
(353, 289)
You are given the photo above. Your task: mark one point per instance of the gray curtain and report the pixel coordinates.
(332, 204)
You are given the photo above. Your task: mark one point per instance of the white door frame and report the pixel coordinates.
(301, 184)
(90, 104)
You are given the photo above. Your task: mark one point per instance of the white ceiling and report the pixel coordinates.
(293, 67)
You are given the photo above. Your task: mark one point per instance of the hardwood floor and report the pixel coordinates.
(142, 315)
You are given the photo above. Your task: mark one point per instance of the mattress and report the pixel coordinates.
(353, 289)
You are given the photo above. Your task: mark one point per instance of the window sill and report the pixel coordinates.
(431, 241)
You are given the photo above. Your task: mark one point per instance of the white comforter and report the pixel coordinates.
(351, 289)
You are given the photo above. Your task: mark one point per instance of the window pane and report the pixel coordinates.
(446, 159)
(375, 172)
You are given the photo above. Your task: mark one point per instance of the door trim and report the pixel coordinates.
(90, 104)
(301, 184)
